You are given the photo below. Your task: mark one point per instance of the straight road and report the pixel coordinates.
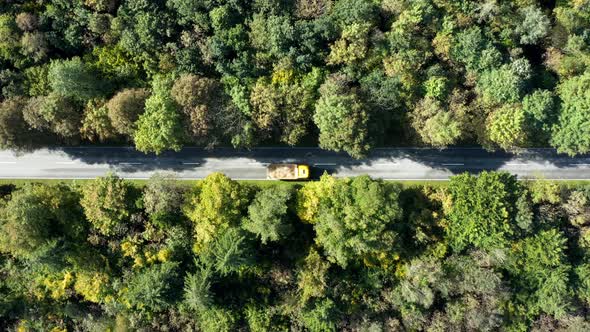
(195, 163)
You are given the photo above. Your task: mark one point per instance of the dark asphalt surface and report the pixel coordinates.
(195, 163)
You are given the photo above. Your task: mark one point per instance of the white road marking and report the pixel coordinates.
(259, 164)
(191, 163)
(130, 163)
(324, 164)
(515, 164)
(458, 164)
(579, 164)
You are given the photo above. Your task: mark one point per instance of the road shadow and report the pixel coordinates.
(452, 160)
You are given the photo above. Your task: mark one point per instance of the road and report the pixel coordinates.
(195, 163)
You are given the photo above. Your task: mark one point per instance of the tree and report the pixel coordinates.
(571, 134)
(267, 215)
(540, 274)
(152, 290)
(354, 221)
(34, 45)
(106, 204)
(352, 45)
(342, 119)
(200, 99)
(540, 115)
(312, 278)
(197, 289)
(59, 114)
(159, 128)
(500, 86)
(96, 124)
(435, 125)
(14, 131)
(481, 210)
(533, 26)
(125, 107)
(216, 204)
(75, 79)
(228, 253)
(506, 127)
(163, 195)
(36, 217)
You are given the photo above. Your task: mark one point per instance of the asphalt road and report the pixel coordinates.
(194, 163)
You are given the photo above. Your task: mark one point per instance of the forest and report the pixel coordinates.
(480, 253)
(345, 75)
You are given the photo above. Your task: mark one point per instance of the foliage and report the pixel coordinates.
(163, 195)
(570, 135)
(73, 78)
(483, 253)
(355, 221)
(216, 203)
(106, 204)
(125, 107)
(159, 127)
(341, 119)
(267, 214)
(249, 73)
(481, 210)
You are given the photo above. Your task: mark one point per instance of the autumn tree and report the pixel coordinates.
(216, 204)
(106, 204)
(125, 107)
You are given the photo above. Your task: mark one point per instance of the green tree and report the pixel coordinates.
(152, 290)
(36, 217)
(267, 215)
(75, 79)
(312, 278)
(354, 221)
(96, 124)
(352, 45)
(435, 125)
(106, 204)
(540, 115)
(481, 210)
(342, 119)
(500, 86)
(540, 274)
(229, 252)
(571, 134)
(533, 26)
(159, 128)
(506, 127)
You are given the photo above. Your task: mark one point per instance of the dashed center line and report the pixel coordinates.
(191, 163)
(130, 163)
(457, 164)
(324, 164)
